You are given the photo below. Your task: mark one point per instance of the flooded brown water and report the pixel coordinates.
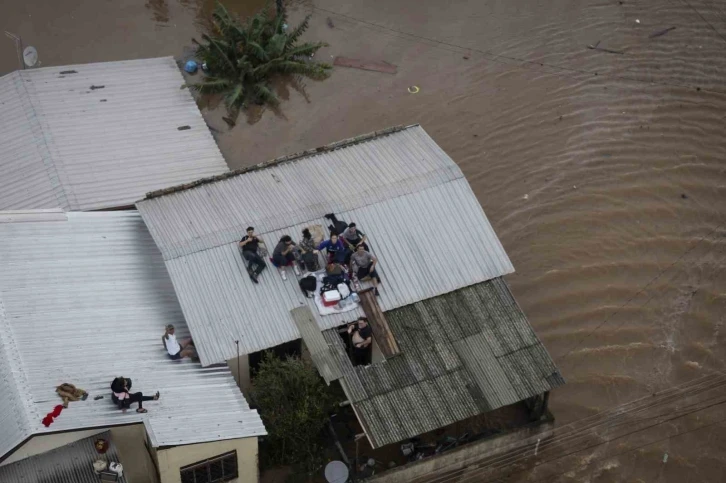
(603, 173)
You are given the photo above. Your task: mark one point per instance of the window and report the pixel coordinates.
(217, 469)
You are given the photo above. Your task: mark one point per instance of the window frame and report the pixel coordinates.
(207, 464)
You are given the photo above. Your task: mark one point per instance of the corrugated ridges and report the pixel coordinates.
(72, 463)
(102, 136)
(463, 353)
(87, 300)
(26, 181)
(397, 188)
(288, 194)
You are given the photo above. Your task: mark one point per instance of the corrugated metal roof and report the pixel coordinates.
(399, 188)
(92, 136)
(72, 463)
(462, 354)
(87, 300)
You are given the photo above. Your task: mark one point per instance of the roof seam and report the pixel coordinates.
(345, 143)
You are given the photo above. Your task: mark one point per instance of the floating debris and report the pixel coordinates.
(660, 32)
(602, 49)
(377, 66)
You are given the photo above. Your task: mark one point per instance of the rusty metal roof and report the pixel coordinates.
(463, 353)
(72, 463)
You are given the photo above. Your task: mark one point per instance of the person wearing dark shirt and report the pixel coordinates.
(308, 251)
(335, 249)
(283, 255)
(361, 336)
(250, 245)
(354, 238)
(121, 396)
(363, 266)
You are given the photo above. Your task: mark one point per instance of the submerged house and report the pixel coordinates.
(99, 136)
(450, 341)
(84, 298)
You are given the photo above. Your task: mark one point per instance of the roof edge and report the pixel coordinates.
(281, 160)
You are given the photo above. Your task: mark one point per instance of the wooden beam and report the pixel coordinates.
(381, 330)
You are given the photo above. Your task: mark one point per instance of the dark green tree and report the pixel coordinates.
(294, 403)
(243, 57)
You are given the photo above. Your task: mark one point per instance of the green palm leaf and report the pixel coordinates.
(242, 56)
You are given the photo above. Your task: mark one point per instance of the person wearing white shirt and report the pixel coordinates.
(177, 349)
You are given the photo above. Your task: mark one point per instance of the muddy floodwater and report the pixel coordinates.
(603, 170)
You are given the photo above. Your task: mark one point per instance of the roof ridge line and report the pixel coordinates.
(165, 250)
(281, 160)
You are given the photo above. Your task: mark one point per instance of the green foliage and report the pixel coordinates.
(242, 57)
(294, 404)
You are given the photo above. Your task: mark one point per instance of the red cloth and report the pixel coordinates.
(48, 419)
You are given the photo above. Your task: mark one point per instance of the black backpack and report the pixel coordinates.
(308, 285)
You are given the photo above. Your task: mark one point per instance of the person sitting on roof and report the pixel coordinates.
(361, 336)
(283, 254)
(308, 252)
(363, 266)
(250, 245)
(353, 238)
(123, 399)
(335, 249)
(177, 349)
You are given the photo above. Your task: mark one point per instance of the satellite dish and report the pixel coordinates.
(336, 472)
(30, 56)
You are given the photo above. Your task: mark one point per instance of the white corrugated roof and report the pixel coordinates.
(424, 224)
(93, 136)
(86, 300)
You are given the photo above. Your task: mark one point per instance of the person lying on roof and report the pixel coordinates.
(177, 349)
(335, 248)
(363, 266)
(250, 245)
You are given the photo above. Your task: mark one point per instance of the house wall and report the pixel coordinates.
(129, 441)
(244, 382)
(464, 456)
(41, 444)
(172, 459)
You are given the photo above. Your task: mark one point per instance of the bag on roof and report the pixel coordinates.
(308, 285)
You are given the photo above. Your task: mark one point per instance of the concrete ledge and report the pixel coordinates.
(460, 458)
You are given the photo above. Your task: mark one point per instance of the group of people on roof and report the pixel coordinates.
(347, 246)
